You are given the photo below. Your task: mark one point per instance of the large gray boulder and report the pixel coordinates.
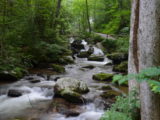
(71, 89)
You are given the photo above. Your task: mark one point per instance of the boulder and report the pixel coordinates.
(122, 67)
(96, 58)
(117, 58)
(103, 77)
(77, 44)
(14, 93)
(66, 108)
(71, 89)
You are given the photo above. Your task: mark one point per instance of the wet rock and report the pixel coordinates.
(96, 58)
(56, 78)
(110, 94)
(7, 77)
(106, 87)
(14, 93)
(89, 67)
(73, 97)
(90, 50)
(35, 81)
(122, 67)
(77, 44)
(103, 77)
(71, 89)
(58, 68)
(108, 64)
(83, 54)
(118, 57)
(66, 108)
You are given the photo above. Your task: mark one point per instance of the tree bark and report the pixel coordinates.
(58, 8)
(133, 62)
(149, 44)
(88, 17)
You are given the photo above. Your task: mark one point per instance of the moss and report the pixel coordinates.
(118, 57)
(58, 68)
(103, 77)
(110, 94)
(96, 58)
(122, 67)
(83, 54)
(72, 96)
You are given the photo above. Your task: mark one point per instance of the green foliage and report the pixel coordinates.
(150, 75)
(31, 32)
(109, 45)
(97, 38)
(125, 108)
(58, 68)
(121, 44)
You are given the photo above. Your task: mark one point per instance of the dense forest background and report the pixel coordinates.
(38, 31)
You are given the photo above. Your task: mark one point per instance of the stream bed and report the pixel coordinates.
(37, 98)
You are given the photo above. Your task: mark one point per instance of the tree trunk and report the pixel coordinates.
(149, 44)
(133, 63)
(88, 18)
(58, 8)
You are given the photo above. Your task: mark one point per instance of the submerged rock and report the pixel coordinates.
(96, 58)
(14, 93)
(71, 89)
(103, 77)
(89, 67)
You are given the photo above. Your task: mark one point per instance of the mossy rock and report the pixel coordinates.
(96, 58)
(110, 94)
(117, 58)
(58, 68)
(103, 77)
(83, 54)
(72, 96)
(106, 87)
(122, 67)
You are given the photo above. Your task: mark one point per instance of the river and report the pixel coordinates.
(36, 99)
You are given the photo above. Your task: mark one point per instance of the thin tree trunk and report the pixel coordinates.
(88, 17)
(133, 63)
(58, 8)
(3, 28)
(149, 44)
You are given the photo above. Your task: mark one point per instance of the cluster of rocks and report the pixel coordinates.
(77, 48)
(120, 62)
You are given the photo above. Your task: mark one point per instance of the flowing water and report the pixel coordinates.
(36, 98)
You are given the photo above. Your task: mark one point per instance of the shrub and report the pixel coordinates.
(125, 108)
